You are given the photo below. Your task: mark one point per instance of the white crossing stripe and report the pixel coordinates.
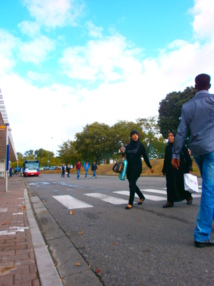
(108, 199)
(196, 195)
(71, 203)
(148, 197)
(164, 193)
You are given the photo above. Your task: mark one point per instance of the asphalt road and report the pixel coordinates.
(94, 241)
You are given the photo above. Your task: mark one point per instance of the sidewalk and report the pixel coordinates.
(24, 258)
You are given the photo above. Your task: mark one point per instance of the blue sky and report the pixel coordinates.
(67, 63)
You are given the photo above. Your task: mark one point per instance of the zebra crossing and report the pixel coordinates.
(70, 202)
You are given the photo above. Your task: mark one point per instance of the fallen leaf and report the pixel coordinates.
(77, 264)
(89, 266)
(5, 222)
(114, 243)
(98, 270)
(71, 212)
(6, 270)
(81, 232)
(23, 208)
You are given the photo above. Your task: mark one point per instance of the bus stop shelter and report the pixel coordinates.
(7, 148)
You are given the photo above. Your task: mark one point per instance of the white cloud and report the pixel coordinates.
(55, 13)
(8, 44)
(37, 50)
(41, 77)
(203, 23)
(94, 31)
(29, 28)
(108, 59)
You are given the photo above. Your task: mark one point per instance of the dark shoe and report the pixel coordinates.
(128, 207)
(189, 202)
(168, 205)
(201, 244)
(141, 201)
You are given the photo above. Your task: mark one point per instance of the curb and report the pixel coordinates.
(46, 268)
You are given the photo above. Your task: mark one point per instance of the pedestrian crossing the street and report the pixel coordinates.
(150, 194)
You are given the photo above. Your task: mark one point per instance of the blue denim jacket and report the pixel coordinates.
(197, 115)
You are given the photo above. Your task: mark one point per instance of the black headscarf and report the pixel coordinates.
(133, 144)
(173, 132)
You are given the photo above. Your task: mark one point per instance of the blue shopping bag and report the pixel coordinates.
(122, 176)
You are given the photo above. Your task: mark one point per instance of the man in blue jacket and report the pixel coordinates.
(86, 166)
(197, 116)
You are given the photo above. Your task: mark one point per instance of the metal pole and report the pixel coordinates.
(52, 150)
(7, 159)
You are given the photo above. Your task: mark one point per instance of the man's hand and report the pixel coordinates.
(152, 170)
(176, 163)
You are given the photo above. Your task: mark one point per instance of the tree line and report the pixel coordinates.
(101, 142)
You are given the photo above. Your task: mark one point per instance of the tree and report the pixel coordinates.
(93, 143)
(170, 109)
(68, 153)
(42, 153)
(29, 154)
(120, 133)
(153, 140)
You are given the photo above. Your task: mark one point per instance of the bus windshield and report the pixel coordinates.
(31, 165)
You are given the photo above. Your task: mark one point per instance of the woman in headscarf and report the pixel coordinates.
(133, 153)
(174, 177)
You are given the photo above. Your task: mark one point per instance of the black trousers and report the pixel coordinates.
(132, 178)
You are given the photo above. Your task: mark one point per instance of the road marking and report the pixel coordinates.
(13, 230)
(71, 203)
(148, 197)
(108, 199)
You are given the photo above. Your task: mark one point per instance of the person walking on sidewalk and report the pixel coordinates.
(86, 166)
(94, 168)
(133, 153)
(175, 178)
(78, 167)
(197, 116)
(63, 171)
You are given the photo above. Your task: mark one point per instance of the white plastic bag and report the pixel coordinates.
(191, 183)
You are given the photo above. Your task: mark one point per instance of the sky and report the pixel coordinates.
(66, 63)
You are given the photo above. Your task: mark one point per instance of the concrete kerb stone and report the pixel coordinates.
(46, 268)
(65, 257)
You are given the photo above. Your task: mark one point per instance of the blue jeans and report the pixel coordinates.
(94, 173)
(206, 211)
(78, 174)
(86, 173)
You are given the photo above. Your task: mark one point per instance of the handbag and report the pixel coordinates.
(118, 166)
(191, 183)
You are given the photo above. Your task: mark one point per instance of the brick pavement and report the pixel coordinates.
(17, 258)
